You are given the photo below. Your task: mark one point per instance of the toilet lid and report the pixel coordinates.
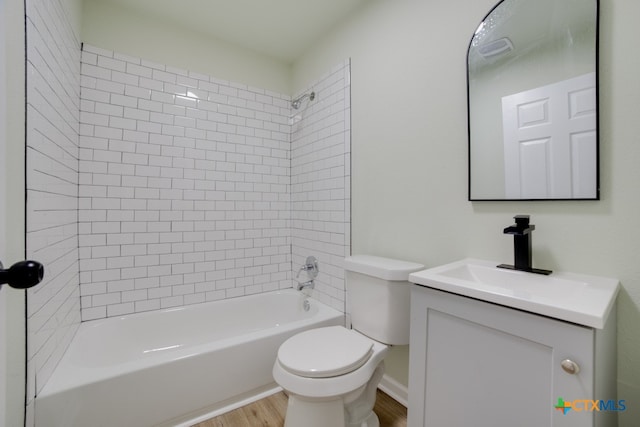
(325, 352)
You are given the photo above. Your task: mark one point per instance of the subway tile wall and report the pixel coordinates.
(321, 182)
(184, 187)
(53, 99)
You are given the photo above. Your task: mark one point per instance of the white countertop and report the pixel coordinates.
(582, 299)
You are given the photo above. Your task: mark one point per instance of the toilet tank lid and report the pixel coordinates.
(382, 268)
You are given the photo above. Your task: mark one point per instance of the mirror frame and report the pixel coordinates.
(597, 94)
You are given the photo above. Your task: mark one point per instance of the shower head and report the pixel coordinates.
(296, 103)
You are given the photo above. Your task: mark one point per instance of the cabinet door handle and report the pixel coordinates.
(570, 367)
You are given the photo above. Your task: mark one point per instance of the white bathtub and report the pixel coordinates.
(175, 366)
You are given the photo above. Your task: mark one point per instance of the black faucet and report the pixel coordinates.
(522, 237)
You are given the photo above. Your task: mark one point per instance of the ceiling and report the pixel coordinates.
(529, 25)
(281, 29)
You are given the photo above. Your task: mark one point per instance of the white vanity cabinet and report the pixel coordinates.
(475, 363)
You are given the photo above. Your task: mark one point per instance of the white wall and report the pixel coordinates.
(409, 148)
(4, 320)
(123, 30)
(13, 132)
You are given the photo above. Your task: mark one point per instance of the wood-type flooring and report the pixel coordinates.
(270, 411)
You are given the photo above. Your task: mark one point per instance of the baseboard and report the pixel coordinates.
(393, 388)
(399, 392)
(223, 407)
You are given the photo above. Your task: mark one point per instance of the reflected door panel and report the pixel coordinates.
(550, 141)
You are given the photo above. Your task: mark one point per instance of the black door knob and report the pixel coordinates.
(22, 275)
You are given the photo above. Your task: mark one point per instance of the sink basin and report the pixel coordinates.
(585, 300)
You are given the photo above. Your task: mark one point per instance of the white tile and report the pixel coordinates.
(93, 313)
(111, 64)
(139, 70)
(89, 57)
(147, 305)
(105, 299)
(135, 135)
(120, 309)
(95, 95)
(138, 92)
(134, 295)
(164, 76)
(108, 109)
(96, 71)
(97, 50)
(55, 77)
(109, 86)
(126, 58)
(124, 100)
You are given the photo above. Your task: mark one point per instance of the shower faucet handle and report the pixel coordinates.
(310, 266)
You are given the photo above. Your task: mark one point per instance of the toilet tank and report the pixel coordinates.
(378, 293)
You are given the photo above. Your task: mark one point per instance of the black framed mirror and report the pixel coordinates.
(532, 87)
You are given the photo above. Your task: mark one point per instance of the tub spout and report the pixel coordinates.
(305, 285)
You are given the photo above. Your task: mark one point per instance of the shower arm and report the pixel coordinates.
(298, 101)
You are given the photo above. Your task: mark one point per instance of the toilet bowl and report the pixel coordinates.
(331, 374)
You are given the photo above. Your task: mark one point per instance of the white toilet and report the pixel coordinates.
(331, 374)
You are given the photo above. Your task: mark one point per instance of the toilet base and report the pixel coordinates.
(304, 413)
(371, 421)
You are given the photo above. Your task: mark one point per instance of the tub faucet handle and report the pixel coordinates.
(310, 266)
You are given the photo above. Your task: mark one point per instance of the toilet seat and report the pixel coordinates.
(325, 352)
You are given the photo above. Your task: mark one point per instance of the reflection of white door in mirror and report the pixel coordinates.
(550, 141)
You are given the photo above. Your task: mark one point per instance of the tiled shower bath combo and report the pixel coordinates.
(150, 186)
